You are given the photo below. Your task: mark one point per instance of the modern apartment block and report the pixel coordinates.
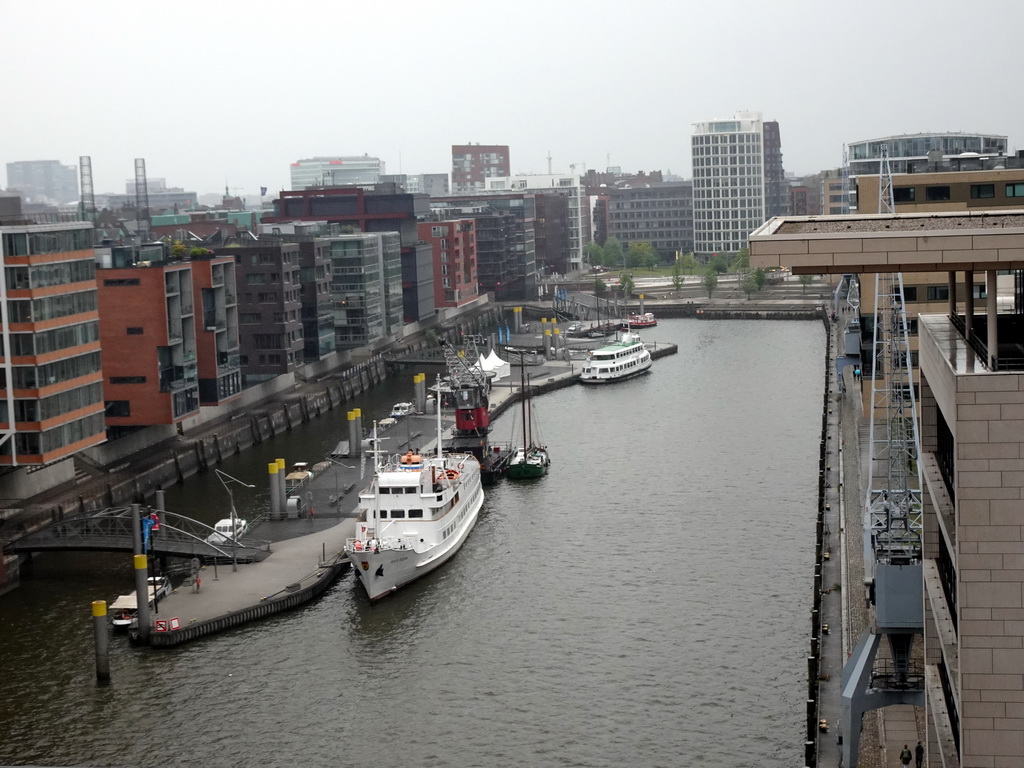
(381, 209)
(336, 171)
(168, 345)
(43, 181)
(776, 186)
(269, 308)
(908, 150)
(972, 458)
(578, 202)
(366, 287)
(506, 236)
(51, 382)
(314, 275)
(473, 164)
(730, 181)
(659, 213)
(455, 260)
(217, 337)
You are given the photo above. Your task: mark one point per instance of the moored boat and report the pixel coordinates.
(224, 531)
(124, 611)
(531, 460)
(626, 357)
(413, 517)
(645, 320)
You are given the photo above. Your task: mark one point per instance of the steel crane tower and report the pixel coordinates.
(892, 517)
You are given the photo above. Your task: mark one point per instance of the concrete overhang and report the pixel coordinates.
(914, 242)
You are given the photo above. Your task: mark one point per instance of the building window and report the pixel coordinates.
(937, 193)
(122, 282)
(938, 293)
(982, 191)
(133, 330)
(903, 194)
(121, 408)
(127, 379)
(1015, 190)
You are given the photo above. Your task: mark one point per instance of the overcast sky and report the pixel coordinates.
(224, 92)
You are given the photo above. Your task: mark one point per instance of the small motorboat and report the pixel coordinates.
(222, 531)
(401, 410)
(124, 611)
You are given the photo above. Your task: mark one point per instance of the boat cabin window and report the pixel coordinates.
(385, 490)
(397, 513)
(415, 513)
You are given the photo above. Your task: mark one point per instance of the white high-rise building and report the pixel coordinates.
(336, 171)
(728, 182)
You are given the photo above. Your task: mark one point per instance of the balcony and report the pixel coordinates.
(1010, 331)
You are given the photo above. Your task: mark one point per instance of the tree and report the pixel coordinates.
(677, 275)
(641, 254)
(595, 255)
(749, 285)
(760, 277)
(600, 288)
(806, 280)
(688, 262)
(719, 264)
(613, 253)
(741, 261)
(710, 280)
(626, 284)
(178, 249)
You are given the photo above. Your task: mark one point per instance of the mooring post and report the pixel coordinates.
(142, 595)
(99, 627)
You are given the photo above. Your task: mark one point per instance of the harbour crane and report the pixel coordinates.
(892, 517)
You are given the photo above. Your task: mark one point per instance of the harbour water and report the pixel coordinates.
(644, 604)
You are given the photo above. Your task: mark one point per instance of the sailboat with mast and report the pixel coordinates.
(531, 460)
(415, 515)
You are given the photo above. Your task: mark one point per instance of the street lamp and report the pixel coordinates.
(234, 525)
(337, 490)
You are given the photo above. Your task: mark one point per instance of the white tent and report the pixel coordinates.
(494, 363)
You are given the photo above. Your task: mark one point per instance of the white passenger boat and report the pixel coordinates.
(413, 517)
(624, 358)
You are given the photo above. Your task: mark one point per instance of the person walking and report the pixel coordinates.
(905, 755)
(919, 755)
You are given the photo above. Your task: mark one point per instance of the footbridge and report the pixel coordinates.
(111, 531)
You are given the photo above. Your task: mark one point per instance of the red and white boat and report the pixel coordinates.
(646, 320)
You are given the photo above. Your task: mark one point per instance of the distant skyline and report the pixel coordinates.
(230, 94)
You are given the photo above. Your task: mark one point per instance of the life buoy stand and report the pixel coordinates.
(358, 545)
(451, 474)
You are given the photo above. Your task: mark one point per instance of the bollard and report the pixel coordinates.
(142, 596)
(354, 438)
(99, 626)
(160, 500)
(275, 501)
(282, 494)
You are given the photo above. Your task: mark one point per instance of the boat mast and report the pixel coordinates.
(440, 454)
(529, 415)
(522, 395)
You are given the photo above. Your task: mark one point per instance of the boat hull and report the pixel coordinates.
(385, 571)
(611, 379)
(525, 471)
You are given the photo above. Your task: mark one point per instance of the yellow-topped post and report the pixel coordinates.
(275, 500)
(141, 563)
(102, 636)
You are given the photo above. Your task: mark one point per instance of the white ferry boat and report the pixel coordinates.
(414, 517)
(624, 358)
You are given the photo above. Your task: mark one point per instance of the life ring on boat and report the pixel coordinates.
(358, 545)
(451, 474)
(461, 465)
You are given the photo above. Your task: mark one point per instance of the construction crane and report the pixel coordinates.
(892, 517)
